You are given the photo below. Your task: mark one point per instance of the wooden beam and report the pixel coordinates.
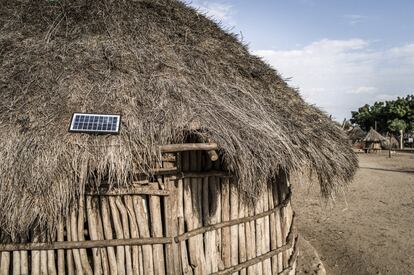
(82, 244)
(171, 148)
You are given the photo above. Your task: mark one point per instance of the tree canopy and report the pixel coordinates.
(393, 115)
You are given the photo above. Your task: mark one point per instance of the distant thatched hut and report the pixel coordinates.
(206, 129)
(356, 136)
(390, 142)
(373, 141)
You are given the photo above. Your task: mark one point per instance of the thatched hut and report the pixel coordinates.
(373, 141)
(356, 136)
(207, 129)
(390, 142)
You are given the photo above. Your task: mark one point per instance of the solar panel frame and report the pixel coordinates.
(98, 121)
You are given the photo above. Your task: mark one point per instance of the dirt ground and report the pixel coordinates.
(369, 230)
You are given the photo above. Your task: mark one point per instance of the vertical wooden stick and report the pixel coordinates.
(120, 250)
(51, 263)
(127, 235)
(255, 268)
(141, 212)
(61, 252)
(43, 256)
(267, 265)
(185, 162)
(259, 233)
(16, 263)
(93, 233)
(81, 237)
(216, 190)
(272, 226)
(250, 237)
(5, 263)
(156, 231)
(24, 260)
(234, 231)
(101, 236)
(74, 234)
(134, 233)
(242, 235)
(107, 229)
(69, 253)
(210, 240)
(278, 222)
(225, 233)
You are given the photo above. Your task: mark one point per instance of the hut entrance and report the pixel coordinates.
(190, 218)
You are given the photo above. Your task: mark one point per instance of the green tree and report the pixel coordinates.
(398, 113)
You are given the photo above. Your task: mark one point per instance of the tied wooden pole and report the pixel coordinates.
(209, 236)
(16, 263)
(126, 233)
(120, 250)
(93, 232)
(69, 253)
(225, 232)
(74, 233)
(87, 269)
(267, 266)
(61, 252)
(259, 234)
(156, 231)
(5, 263)
(242, 235)
(278, 220)
(24, 260)
(272, 227)
(134, 233)
(107, 229)
(35, 255)
(141, 212)
(234, 214)
(101, 235)
(182, 196)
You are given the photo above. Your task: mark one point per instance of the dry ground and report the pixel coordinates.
(371, 229)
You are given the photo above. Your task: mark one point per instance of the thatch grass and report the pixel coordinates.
(374, 136)
(162, 66)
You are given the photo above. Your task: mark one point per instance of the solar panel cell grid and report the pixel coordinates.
(95, 123)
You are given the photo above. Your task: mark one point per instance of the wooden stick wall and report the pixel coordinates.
(176, 206)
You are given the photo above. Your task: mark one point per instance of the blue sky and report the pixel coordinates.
(340, 54)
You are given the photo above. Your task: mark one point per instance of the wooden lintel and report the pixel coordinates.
(172, 148)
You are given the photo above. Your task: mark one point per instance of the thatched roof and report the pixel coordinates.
(356, 133)
(163, 66)
(373, 136)
(386, 142)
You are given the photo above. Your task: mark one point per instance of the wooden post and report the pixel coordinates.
(101, 235)
(126, 233)
(69, 254)
(225, 232)
(5, 263)
(185, 162)
(93, 233)
(210, 240)
(107, 229)
(278, 219)
(156, 231)
(272, 227)
(234, 214)
(81, 237)
(74, 233)
(24, 260)
(119, 233)
(61, 253)
(267, 266)
(242, 235)
(134, 233)
(16, 263)
(141, 212)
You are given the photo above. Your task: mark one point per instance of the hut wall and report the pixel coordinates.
(190, 220)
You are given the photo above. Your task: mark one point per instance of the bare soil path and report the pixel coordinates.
(371, 229)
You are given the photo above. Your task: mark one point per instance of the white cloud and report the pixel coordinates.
(342, 75)
(221, 12)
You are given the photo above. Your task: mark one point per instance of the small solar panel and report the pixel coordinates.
(95, 123)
